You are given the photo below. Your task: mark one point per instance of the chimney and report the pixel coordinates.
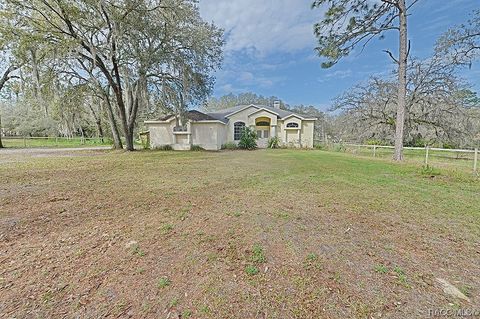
(276, 104)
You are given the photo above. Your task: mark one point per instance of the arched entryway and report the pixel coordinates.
(262, 127)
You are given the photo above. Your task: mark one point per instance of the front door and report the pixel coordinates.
(263, 134)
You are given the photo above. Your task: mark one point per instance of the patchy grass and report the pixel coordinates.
(18, 142)
(321, 227)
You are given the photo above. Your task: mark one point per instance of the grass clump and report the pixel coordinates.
(163, 282)
(381, 269)
(251, 270)
(402, 277)
(164, 148)
(196, 148)
(229, 146)
(258, 255)
(167, 228)
(429, 171)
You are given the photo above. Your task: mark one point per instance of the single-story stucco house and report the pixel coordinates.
(212, 130)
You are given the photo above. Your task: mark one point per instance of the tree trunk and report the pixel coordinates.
(36, 82)
(1, 144)
(117, 142)
(99, 130)
(402, 81)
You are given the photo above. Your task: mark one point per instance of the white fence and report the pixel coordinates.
(443, 156)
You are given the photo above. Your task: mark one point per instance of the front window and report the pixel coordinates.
(292, 125)
(238, 128)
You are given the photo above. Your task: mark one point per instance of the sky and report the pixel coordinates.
(270, 48)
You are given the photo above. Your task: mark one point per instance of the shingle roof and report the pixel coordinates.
(222, 114)
(193, 115)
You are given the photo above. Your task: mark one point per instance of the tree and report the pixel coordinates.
(348, 23)
(8, 65)
(437, 105)
(129, 47)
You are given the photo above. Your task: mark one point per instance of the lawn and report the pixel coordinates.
(29, 142)
(234, 234)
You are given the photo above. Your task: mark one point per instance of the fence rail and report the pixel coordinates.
(39, 141)
(462, 158)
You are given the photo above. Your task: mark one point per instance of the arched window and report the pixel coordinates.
(238, 128)
(263, 123)
(292, 125)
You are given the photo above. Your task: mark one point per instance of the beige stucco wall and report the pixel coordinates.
(307, 133)
(289, 137)
(160, 134)
(248, 118)
(209, 135)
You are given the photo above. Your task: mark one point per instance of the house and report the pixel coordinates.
(212, 130)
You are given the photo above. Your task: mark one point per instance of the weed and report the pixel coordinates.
(136, 250)
(187, 314)
(283, 215)
(229, 146)
(47, 297)
(311, 261)
(381, 269)
(235, 214)
(466, 290)
(204, 309)
(196, 148)
(164, 148)
(258, 256)
(429, 171)
(167, 228)
(402, 278)
(251, 270)
(174, 302)
(140, 271)
(312, 257)
(163, 282)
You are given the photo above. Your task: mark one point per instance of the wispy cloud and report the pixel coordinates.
(263, 27)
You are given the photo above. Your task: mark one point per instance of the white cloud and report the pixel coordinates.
(263, 27)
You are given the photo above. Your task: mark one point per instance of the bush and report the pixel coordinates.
(248, 139)
(339, 148)
(229, 146)
(274, 142)
(376, 142)
(164, 148)
(196, 148)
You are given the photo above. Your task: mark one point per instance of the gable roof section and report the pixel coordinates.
(192, 115)
(264, 109)
(224, 114)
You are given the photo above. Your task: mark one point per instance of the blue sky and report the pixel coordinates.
(270, 48)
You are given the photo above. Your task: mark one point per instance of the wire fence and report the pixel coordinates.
(34, 141)
(460, 159)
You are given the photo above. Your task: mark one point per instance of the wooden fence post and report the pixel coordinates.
(426, 154)
(475, 160)
(374, 150)
(24, 141)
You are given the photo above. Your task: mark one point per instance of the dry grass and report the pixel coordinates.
(164, 234)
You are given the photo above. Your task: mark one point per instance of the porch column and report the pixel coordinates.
(273, 131)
